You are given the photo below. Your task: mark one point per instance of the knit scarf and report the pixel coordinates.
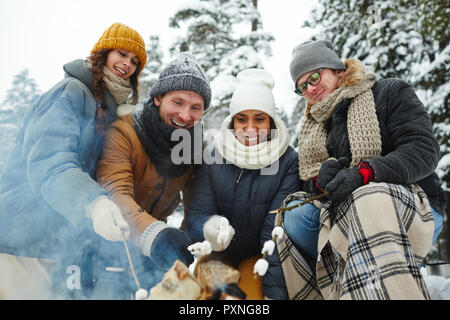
(119, 88)
(156, 135)
(251, 157)
(362, 123)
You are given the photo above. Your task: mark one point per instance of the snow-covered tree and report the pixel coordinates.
(407, 39)
(226, 37)
(19, 98)
(153, 67)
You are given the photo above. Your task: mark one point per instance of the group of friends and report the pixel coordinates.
(91, 170)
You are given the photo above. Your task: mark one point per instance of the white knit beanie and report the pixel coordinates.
(253, 92)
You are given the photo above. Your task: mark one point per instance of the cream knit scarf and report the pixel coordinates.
(119, 88)
(251, 157)
(362, 123)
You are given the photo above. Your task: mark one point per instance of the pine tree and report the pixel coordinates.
(226, 37)
(153, 67)
(407, 39)
(18, 100)
(19, 97)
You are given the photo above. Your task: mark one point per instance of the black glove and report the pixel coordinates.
(329, 169)
(345, 182)
(310, 186)
(169, 245)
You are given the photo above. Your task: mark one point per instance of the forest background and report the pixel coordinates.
(407, 39)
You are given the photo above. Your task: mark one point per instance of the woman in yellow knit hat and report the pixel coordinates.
(50, 203)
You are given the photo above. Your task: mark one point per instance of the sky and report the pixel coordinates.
(43, 35)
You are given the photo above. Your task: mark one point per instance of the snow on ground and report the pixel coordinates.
(438, 287)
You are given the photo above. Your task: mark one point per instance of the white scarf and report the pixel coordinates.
(251, 157)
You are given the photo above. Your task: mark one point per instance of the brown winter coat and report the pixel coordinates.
(128, 175)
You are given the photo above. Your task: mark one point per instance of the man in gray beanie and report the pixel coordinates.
(184, 73)
(369, 144)
(139, 171)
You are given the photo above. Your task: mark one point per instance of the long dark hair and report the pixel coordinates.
(98, 60)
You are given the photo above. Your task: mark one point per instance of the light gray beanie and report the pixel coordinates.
(313, 55)
(183, 73)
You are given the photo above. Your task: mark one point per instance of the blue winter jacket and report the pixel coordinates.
(244, 197)
(49, 177)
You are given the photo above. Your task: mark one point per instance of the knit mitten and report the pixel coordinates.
(311, 186)
(344, 183)
(107, 219)
(329, 169)
(164, 245)
(218, 231)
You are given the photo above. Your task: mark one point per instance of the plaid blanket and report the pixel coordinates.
(369, 246)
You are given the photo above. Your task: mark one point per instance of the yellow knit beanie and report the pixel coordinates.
(120, 36)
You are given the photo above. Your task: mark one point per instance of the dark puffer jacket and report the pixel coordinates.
(244, 197)
(410, 152)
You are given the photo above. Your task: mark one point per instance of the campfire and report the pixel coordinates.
(213, 279)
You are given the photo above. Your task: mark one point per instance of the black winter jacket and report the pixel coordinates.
(410, 152)
(244, 197)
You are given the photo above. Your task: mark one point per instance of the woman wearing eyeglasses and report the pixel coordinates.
(370, 145)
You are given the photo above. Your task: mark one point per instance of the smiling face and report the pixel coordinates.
(180, 109)
(329, 80)
(122, 63)
(251, 127)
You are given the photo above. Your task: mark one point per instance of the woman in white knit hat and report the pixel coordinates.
(254, 170)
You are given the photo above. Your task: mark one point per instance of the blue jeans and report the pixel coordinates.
(302, 227)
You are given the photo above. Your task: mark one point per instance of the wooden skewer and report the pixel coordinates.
(256, 276)
(301, 203)
(124, 240)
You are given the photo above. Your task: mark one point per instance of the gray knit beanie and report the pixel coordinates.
(183, 73)
(313, 55)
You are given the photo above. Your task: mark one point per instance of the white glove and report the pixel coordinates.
(218, 232)
(107, 219)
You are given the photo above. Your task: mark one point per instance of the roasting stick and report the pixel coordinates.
(262, 265)
(319, 196)
(124, 240)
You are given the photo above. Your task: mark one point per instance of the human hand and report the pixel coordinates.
(218, 231)
(171, 244)
(329, 169)
(344, 183)
(107, 219)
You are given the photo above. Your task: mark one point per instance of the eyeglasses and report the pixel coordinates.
(313, 80)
